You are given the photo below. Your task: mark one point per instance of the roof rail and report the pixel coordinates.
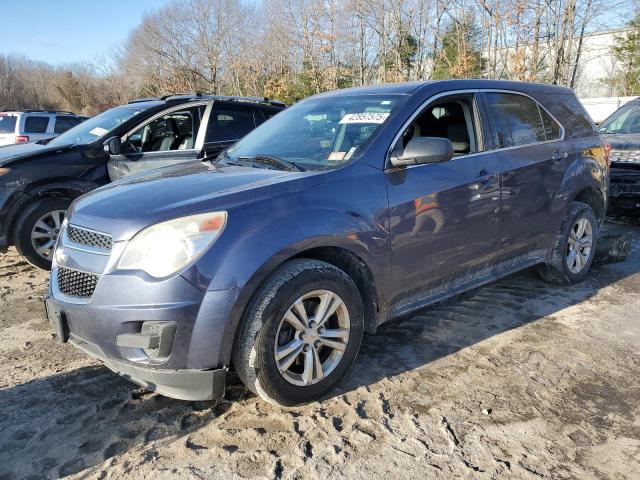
(36, 110)
(208, 96)
(144, 99)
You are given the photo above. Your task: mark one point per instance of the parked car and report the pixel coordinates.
(348, 209)
(22, 126)
(39, 180)
(622, 131)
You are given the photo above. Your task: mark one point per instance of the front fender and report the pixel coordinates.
(348, 211)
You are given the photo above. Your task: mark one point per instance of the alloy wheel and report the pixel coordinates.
(580, 244)
(312, 337)
(45, 233)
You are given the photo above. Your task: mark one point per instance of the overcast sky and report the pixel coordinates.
(63, 31)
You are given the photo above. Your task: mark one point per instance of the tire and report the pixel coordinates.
(25, 225)
(264, 328)
(556, 269)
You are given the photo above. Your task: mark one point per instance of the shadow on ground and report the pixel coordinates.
(65, 423)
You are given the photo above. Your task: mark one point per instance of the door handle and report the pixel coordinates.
(482, 174)
(483, 179)
(559, 155)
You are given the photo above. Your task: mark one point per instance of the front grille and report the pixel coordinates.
(89, 237)
(74, 283)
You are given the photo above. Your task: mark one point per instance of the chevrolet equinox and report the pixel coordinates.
(346, 210)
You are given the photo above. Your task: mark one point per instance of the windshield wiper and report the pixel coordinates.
(223, 156)
(273, 161)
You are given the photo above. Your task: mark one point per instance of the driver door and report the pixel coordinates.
(168, 138)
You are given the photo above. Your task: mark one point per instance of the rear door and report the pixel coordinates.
(8, 124)
(170, 137)
(532, 162)
(227, 124)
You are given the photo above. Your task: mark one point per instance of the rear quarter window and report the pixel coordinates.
(7, 124)
(572, 115)
(33, 124)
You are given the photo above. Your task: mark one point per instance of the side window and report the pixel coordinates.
(516, 120)
(264, 115)
(65, 123)
(229, 123)
(33, 124)
(451, 118)
(633, 125)
(174, 131)
(552, 130)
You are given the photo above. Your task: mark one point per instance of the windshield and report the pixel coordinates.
(318, 133)
(96, 127)
(625, 120)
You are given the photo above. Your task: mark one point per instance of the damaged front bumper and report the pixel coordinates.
(11, 201)
(184, 384)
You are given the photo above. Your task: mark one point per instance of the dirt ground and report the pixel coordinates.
(514, 380)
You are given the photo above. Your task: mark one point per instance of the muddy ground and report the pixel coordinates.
(514, 380)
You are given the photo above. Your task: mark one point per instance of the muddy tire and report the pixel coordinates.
(574, 247)
(36, 230)
(300, 333)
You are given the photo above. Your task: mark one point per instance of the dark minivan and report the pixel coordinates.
(344, 211)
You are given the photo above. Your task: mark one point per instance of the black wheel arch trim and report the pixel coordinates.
(62, 189)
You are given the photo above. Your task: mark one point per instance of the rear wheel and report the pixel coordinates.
(300, 334)
(37, 229)
(574, 248)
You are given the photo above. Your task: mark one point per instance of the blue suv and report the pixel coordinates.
(347, 210)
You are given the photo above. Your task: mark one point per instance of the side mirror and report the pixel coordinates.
(421, 150)
(112, 146)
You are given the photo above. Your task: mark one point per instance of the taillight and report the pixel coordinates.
(607, 151)
(22, 138)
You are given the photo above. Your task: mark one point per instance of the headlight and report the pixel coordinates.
(4, 171)
(164, 248)
(631, 156)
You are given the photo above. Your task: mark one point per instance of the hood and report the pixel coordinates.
(630, 141)
(11, 154)
(125, 207)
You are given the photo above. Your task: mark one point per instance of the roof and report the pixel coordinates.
(412, 87)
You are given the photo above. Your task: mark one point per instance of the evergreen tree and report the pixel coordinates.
(459, 55)
(627, 52)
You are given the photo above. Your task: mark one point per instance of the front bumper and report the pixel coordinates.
(8, 200)
(94, 331)
(180, 384)
(194, 368)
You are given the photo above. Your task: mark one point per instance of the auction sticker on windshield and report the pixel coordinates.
(98, 131)
(365, 117)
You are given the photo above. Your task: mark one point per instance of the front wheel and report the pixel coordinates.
(37, 229)
(574, 248)
(300, 334)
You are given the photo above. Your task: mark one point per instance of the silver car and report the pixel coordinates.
(24, 126)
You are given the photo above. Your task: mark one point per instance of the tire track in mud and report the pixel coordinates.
(389, 417)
